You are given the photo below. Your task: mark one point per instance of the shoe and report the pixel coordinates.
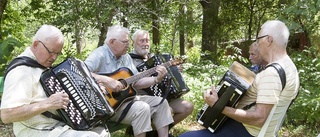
(152, 133)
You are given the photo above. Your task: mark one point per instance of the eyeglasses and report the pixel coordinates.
(50, 52)
(257, 39)
(125, 43)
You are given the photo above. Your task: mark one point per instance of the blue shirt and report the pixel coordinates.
(102, 60)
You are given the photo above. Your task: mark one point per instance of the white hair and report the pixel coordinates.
(47, 33)
(137, 33)
(278, 30)
(114, 32)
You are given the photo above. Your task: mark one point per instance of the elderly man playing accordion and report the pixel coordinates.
(270, 97)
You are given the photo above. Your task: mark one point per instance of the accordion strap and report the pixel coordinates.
(23, 60)
(135, 56)
(282, 75)
(125, 111)
(27, 61)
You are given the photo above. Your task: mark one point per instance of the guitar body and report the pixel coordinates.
(126, 77)
(116, 99)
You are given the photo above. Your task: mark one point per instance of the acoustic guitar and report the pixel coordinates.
(126, 77)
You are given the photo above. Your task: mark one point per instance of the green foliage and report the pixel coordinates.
(69, 51)
(12, 22)
(84, 19)
(6, 48)
(301, 17)
(193, 55)
(306, 109)
(200, 77)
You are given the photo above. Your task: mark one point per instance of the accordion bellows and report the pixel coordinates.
(231, 88)
(173, 84)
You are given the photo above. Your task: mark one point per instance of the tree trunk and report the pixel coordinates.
(190, 34)
(210, 28)
(3, 4)
(78, 29)
(155, 27)
(182, 29)
(104, 27)
(78, 37)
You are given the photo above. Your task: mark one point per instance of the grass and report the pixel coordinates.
(177, 130)
(6, 129)
(188, 125)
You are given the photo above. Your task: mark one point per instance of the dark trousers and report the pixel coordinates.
(231, 128)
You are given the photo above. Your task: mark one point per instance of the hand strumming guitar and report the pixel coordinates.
(105, 81)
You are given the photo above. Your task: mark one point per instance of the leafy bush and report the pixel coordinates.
(305, 110)
(6, 48)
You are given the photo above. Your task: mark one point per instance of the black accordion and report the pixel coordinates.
(172, 86)
(87, 106)
(231, 88)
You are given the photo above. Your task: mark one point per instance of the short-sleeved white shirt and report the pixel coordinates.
(21, 87)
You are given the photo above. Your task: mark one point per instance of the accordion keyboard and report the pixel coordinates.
(54, 86)
(87, 106)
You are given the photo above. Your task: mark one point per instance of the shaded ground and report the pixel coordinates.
(6, 130)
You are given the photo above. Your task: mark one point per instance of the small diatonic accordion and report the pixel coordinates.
(231, 88)
(87, 106)
(173, 82)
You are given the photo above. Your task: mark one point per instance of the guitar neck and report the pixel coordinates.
(146, 73)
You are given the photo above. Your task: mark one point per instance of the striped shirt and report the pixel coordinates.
(267, 89)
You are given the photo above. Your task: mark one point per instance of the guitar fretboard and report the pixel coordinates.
(146, 73)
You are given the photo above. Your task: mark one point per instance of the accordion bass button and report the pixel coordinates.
(64, 79)
(68, 85)
(81, 104)
(83, 107)
(75, 94)
(72, 91)
(71, 88)
(76, 98)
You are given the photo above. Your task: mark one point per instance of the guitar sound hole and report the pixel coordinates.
(124, 83)
(123, 93)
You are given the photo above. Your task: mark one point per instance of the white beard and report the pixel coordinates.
(142, 51)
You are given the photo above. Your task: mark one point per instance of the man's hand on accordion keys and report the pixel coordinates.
(58, 100)
(211, 96)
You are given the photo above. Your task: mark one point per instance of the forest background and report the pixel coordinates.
(211, 33)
